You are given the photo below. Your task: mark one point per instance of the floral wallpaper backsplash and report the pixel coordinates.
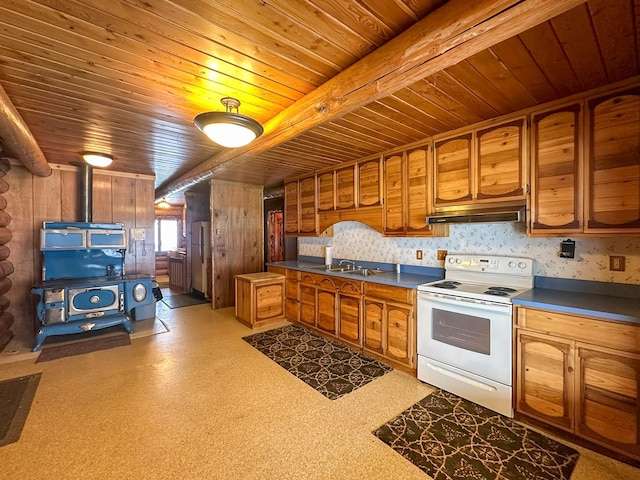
(357, 241)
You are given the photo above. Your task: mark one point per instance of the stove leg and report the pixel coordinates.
(42, 334)
(127, 324)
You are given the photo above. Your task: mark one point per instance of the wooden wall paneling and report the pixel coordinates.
(102, 199)
(543, 45)
(618, 45)
(575, 34)
(46, 207)
(145, 254)
(70, 202)
(237, 212)
(124, 211)
(24, 248)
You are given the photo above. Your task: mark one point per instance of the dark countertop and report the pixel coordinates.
(403, 279)
(565, 299)
(605, 300)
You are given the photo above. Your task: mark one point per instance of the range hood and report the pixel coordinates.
(497, 214)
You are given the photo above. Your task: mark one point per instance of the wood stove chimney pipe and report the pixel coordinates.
(86, 208)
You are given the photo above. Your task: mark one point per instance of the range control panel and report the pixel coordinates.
(490, 264)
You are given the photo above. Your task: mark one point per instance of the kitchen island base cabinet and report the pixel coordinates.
(580, 374)
(259, 298)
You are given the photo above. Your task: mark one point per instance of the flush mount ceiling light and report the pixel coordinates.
(227, 128)
(164, 204)
(99, 160)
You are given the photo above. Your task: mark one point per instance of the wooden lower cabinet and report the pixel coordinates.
(389, 323)
(327, 309)
(376, 318)
(545, 378)
(607, 391)
(580, 374)
(259, 298)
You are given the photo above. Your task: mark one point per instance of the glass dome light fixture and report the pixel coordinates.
(164, 204)
(227, 128)
(100, 160)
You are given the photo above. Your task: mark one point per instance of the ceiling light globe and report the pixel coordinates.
(229, 129)
(99, 160)
(229, 135)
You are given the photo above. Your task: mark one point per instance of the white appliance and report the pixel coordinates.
(465, 328)
(200, 255)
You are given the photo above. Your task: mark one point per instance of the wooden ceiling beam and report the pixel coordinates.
(447, 36)
(18, 138)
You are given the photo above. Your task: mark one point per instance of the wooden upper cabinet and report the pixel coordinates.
(452, 170)
(556, 170)
(346, 187)
(326, 192)
(483, 166)
(613, 163)
(291, 212)
(500, 173)
(407, 194)
(418, 191)
(308, 223)
(369, 183)
(393, 194)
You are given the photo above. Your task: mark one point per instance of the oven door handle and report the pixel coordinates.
(462, 378)
(447, 300)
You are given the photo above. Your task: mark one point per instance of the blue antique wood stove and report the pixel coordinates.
(84, 286)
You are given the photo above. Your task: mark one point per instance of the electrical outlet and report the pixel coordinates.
(442, 254)
(418, 254)
(616, 263)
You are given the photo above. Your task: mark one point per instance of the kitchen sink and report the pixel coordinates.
(331, 268)
(364, 272)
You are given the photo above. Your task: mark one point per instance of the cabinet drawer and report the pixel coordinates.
(389, 292)
(349, 286)
(617, 335)
(279, 270)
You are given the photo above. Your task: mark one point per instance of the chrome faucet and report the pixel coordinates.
(348, 262)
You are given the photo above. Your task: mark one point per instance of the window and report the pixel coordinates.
(166, 237)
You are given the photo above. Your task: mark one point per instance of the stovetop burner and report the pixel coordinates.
(491, 278)
(448, 284)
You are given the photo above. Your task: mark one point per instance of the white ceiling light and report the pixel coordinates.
(229, 129)
(99, 160)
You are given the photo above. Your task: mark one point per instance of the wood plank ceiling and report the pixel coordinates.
(127, 77)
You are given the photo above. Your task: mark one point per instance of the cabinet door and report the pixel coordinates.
(398, 322)
(501, 170)
(326, 192)
(291, 214)
(346, 187)
(307, 302)
(308, 213)
(327, 301)
(544, 378)
(373, 329)
(607, 408)
(393, 194)
(369, 183)
(452, 162)
(613, 167)
(418, 191)
(556, 171)
(350, 316)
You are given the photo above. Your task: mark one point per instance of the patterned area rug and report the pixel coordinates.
(332, 369)
(183, 300)
(81, 347)
(451, 438)
(16, 396)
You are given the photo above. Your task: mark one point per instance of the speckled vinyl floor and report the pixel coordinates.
(198, 402)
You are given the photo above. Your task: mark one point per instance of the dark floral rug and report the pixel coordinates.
(332, 369)
(450, 438)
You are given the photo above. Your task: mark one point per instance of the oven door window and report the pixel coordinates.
(468, 332)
